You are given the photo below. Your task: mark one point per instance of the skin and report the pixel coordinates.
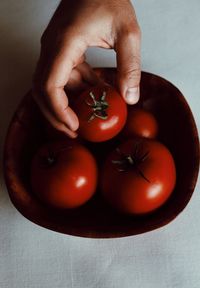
(75, 26)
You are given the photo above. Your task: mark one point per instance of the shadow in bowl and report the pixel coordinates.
(95, 219)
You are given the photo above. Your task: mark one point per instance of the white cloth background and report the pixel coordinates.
(33, 257)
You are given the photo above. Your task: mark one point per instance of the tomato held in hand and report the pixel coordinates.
(140, 123)
(139, 176)
(102, 113)
(63, 174)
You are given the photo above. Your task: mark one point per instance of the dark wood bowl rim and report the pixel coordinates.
(107, 234)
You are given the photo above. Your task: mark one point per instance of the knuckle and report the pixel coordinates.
(132, 74)
(58, 126)
(136, 62)
(134, 36)
(134, 67)
(41, 88)
(132, 31)
(137, 32)
(46, 87)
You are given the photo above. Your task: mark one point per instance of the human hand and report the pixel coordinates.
(110, 24)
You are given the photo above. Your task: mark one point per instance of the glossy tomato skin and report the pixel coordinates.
(97, 129)
(144, 188)
(140, 123)
(68, 179)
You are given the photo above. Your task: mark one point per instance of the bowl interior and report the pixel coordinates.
(96, 219)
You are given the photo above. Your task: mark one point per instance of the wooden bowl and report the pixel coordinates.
(95, 219)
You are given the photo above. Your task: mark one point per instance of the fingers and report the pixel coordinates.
(53, 120)
(88, 74)
(76, 82)
(63, 63)
(128, 63)
(82, 77)
(50, 80)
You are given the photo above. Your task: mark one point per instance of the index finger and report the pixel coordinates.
(56, 74)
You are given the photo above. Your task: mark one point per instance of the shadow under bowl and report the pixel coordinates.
(96, 219)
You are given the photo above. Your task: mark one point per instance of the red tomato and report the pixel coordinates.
(102, 113)
(63, 174)
(140, 123)
(139, 176)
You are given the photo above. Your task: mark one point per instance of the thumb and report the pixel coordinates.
(128, 65)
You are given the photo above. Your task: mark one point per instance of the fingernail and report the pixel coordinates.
(132, 95)
(71, 134)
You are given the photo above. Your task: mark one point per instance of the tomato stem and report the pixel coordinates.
(131, 161)
(50, 159)
(98, 107)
